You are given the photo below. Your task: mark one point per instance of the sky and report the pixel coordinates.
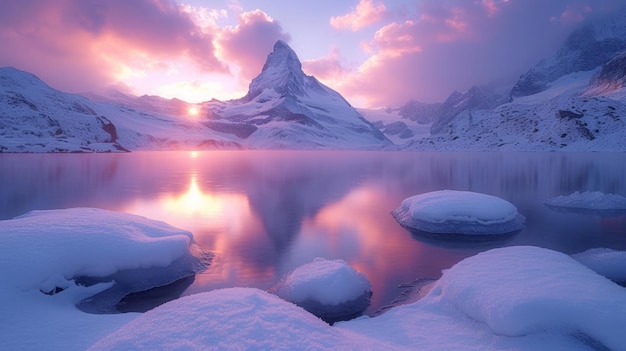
(376, 53)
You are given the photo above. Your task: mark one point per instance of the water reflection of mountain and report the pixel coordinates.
(285, 187)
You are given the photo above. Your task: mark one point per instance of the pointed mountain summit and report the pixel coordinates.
(285, 108)
(282, 72)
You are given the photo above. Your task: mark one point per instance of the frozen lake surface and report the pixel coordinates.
(265, 213)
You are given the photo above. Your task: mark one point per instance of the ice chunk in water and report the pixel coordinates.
(330, 289)
(459, 212)
(589, 202)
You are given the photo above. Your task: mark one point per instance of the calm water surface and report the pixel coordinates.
(264, 213)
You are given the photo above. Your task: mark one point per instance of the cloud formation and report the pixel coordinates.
(249, 42)
(452, 45)
(91, 41)
(364, 14)
(380, 53)
(87, 45)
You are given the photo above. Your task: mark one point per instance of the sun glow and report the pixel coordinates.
(193, 111)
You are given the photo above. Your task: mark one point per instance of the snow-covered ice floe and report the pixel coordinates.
(330, 289)
(45, 256)
(459, 212)
(514, 298)
(593, 202)
(608, 263)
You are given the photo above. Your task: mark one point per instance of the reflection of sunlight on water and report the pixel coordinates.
(198, 211)
(220, 222)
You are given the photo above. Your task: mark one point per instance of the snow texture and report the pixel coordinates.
(514, 298)
(606, 262)
(589, 200)
(233, 319)
(330, 289)
(43, 253)
(458, 212)
(517, 298)
(57, 245)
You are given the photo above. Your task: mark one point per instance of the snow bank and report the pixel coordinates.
(589, 200)
(606, 262)
(458, 212)
(49, 248)
(330, 289)
(517, 298)
(233, 319)
(518, 291)
(43, 252)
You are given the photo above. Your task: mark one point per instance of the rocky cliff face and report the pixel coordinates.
(610, 78)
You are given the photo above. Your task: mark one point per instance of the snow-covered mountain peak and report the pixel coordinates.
(587, 48)
(13, 77)
(282, 57)
(282, 72)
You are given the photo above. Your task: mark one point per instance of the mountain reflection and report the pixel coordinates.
(264, 213)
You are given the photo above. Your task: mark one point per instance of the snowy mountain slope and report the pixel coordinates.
(148, 103)
(397, 127)
(573, 101)
(284, 108)
(37, 118)
(476, 98)
(590, 46)
(559, 118)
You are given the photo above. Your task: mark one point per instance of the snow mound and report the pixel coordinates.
(589, 201)
(530, 290)
(513, 298)
(458, 212)
(606, 262)
(232, 319)
(51, 248)
(330, 289)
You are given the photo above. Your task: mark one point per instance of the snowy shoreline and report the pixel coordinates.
(519, 297)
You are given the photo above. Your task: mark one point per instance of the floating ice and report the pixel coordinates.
(458, 212)
(606, 262)
(590, 201)
(330, 289)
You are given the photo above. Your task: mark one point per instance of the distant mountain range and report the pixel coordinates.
(572, 101)
(284, 108)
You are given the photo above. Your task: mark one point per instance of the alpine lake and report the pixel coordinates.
(264, 213)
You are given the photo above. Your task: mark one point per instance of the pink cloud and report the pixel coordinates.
(573, 14)
(444, 46)
(77, 45)
(327, 68)
(493, 7)
(366, 13)
(249, 42)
